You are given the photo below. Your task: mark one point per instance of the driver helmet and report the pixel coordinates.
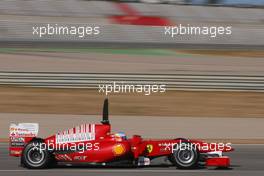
(121, 135)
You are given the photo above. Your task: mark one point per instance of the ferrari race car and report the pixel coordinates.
(95, 144)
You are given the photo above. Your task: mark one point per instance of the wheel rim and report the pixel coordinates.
(35, 156)
(185, 156)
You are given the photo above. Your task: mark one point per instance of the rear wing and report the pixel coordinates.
(19, 135)
(24, 129)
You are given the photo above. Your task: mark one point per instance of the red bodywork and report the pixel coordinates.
(101, 146)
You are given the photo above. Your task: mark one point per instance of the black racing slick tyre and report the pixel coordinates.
(36, 156)
(185, 156)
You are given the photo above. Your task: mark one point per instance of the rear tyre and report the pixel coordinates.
(185, 156)
(36, 156)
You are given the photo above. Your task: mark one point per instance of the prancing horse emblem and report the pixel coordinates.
(149, 148)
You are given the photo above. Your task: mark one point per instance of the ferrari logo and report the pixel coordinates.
(149, 148)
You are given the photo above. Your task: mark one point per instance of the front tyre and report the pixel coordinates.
(36, 156)
(185, 156)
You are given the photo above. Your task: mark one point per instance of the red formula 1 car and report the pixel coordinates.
(95, 144)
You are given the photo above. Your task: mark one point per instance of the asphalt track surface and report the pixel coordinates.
(128, 63)
(98, 62)
(78, 44)
(245, 160)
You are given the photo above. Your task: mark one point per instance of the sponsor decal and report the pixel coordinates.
(17, 139)
(17, 144)
(119, 149)
(79, 158)
(18, 133)
(64, 157)
(23, 130)
(67, 157)
(149, 148)
(85, 132)
(15, 152)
